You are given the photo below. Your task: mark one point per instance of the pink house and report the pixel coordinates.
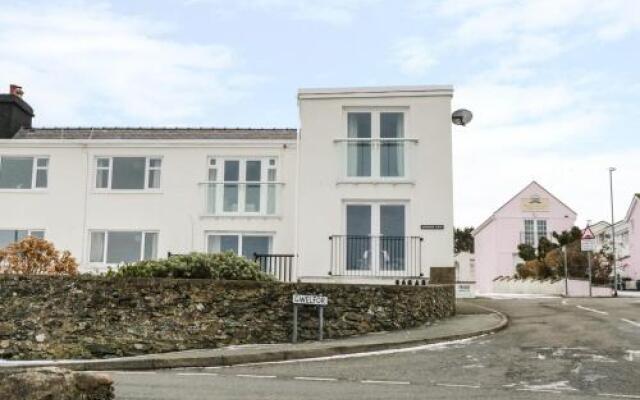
(633, 220)
(531, 214)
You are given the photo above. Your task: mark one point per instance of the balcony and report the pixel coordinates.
(376, 256)
(241, 198)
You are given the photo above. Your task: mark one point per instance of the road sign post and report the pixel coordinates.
(587, 244)
(320, 302)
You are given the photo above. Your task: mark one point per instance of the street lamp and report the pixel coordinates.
(613, 235)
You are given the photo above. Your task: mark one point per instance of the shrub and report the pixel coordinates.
(35, 256)
(532, 269)
(220, 266)
(526, 252)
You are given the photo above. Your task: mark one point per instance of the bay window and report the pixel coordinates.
(128, 173)
(116, 247)
(19, 172)
(241, 186)
(375, 144)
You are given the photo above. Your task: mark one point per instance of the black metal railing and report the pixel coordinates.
(279, 266)
(376, 256)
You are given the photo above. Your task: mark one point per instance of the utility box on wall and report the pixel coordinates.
(442, 276)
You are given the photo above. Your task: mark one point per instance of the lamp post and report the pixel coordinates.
(613, 235)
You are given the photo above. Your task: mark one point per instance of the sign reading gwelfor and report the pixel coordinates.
(310, 299)
(431, 227)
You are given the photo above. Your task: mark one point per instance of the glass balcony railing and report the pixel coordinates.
(241, 198)
(383, 159)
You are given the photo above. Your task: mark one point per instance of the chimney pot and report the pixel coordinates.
(16, 90)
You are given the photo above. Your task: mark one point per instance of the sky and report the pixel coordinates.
(554, 85)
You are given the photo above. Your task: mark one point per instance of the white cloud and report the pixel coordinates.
(413, 56)
(528, 32)
(335, 12)
(528, 128)
(88, 65)
(522, 133)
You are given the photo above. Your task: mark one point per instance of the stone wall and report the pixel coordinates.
(44, 317)
(54, 384)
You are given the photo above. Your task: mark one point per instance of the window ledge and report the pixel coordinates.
(238, 216)
(29, 191)
(127, 191)
(375, 182)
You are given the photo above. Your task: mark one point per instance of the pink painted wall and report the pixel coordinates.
(496, 244)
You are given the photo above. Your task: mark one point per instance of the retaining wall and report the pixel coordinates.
(44, 317)
(577, 287)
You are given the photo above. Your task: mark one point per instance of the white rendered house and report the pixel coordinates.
(346, 196)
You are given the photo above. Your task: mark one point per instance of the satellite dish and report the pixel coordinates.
(461, 117)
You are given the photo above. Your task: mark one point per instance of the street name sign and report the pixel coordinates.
(431, 227)
(310, 300)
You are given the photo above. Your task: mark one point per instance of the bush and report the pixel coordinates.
(220, 266)
(35, 256)
(532, 269)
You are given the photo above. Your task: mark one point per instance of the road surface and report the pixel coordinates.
(554, 348)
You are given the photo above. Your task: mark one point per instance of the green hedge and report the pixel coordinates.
(222, 266)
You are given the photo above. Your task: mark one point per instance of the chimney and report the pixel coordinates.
(15, 113)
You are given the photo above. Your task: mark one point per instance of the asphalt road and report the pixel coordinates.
(554, 348)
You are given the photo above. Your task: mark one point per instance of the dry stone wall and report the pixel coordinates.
(47, 318)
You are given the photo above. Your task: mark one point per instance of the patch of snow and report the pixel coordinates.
(632, 355)
(554, 386)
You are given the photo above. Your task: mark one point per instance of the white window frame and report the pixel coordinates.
(34, 172)
(29, 231)
(375, 224)
(217, 163)
(536, 233)
(106, 243)
(147, 169)
(375, 213)
(375, 142)
(241, 235)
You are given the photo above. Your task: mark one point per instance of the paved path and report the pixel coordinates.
(554, 348)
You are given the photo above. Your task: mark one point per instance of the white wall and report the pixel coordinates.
(427, 190)
(577, 287)
(71, 207)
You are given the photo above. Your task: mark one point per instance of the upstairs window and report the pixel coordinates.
(375, 144)
(534, 230)
(241, 186)
(128, 173)
(24, 172)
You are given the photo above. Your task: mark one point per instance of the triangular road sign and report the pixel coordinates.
(587, 234)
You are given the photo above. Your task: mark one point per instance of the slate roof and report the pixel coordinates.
(106, 133)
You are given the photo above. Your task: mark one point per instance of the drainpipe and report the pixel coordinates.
(83, 252)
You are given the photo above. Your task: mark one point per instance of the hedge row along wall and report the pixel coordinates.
(45, 317)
